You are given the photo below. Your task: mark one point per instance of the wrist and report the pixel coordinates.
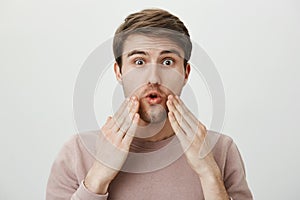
(96, 186)
(213, 187)
(97, 179)
(211, 177)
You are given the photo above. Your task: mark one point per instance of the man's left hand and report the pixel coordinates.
(191, 134)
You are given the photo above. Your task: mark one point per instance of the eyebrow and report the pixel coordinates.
(171, 51)
(134, 52)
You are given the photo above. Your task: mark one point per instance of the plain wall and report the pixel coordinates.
(255, 46)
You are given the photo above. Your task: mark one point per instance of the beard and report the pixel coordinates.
(153, 113)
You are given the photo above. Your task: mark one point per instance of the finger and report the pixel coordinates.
(195, 124)
(119, 111)
(120, 120)
(132, 101)
(128, 120)
(106, 125)
(178, 131)
(131, 131)
(185, 112)
(180, 119)
(108, 121)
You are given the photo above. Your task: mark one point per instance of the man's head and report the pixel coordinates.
(142, 22)
(152, 48)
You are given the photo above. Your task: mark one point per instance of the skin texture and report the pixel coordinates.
(141, 51)
(119, 131)
(191, 134)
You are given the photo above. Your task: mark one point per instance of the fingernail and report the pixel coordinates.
(136, 116)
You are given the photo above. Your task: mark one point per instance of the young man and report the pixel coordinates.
(152, 48)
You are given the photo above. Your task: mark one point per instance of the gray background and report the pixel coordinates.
(255, 46)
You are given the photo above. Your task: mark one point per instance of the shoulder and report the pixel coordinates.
(219, 140)
(80, 143)
(221, 146)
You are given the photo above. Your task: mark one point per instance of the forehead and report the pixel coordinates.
(150, 43)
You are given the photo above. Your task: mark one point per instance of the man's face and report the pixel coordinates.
(152, 69)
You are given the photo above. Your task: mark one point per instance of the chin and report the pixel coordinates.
(153, 114)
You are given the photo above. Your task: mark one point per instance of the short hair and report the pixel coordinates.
(145, 22)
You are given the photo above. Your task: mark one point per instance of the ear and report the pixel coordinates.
(187, 72)
(118, 73)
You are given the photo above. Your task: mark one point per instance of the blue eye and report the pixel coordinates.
(168, 62)
(139, 62)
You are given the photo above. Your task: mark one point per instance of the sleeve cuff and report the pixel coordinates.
(83, 193)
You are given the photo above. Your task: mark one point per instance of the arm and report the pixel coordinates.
(116, 136)
(213, 188)
(191, 134)
(62, 182)
(235, 175)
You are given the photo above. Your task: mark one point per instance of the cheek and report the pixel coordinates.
(136, 78)
(172, 80)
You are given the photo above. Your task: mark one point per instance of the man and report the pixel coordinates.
(152, 48)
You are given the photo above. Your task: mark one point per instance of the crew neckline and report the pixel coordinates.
(141, 145)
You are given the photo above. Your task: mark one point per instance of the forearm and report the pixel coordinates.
(83, 193)
(97, 180)
(213, 188)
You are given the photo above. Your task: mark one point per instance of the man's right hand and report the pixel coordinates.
(118, 131)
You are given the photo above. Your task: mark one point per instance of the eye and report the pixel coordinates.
(139, 62)
(168, 62)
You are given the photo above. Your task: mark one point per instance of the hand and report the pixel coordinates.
(191, 134)
(117, 135)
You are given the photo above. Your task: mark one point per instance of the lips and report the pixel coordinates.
(153, 97)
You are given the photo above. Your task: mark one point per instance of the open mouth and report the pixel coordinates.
(154, 98)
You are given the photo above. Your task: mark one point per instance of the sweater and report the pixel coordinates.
(175, 181)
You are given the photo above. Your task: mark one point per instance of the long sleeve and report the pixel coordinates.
(63, 183)
(76, 157)
(83, 194)
(235, 175)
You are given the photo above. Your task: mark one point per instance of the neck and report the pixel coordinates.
(165, 131)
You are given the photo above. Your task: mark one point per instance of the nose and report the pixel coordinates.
(154, 75)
